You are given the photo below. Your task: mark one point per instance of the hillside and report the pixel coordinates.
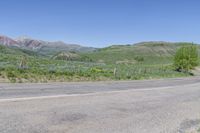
(12, 56)
(158, 51)
(15, 51)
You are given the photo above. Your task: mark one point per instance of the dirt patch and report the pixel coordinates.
(196, 71)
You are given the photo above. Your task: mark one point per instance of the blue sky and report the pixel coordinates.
(101, 23)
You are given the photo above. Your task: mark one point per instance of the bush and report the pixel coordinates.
(139, 59)
(186, 58)
(97, 70)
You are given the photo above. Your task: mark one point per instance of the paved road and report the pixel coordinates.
(49, 89)
(155, 106)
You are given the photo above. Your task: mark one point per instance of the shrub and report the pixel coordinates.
(186, 58)
(139, 59)
(96, 70)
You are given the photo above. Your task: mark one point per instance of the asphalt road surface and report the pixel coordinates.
(151, 106)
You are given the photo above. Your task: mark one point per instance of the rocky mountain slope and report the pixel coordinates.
(4, 40)
(43, 47)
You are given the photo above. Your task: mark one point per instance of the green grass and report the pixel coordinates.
(112, 63)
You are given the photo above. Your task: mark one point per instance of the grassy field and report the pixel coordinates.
(129, 62)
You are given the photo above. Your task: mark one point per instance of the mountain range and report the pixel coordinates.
(59, 48)
(41, 46)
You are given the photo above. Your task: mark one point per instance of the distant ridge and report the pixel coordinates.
(41, 46)
(4, 40)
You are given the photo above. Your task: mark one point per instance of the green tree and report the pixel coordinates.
(186, 58)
